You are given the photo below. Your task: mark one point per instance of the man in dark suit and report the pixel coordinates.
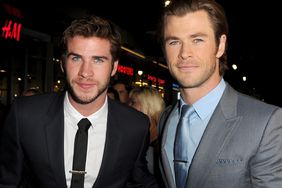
(39, 134)
(226, 139)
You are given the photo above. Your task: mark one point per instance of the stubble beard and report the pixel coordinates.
(80, 100)
(196, 82)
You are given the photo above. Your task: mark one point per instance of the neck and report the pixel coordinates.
(90, 108)
(191, 95)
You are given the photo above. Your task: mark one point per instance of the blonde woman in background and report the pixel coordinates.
(150, 102)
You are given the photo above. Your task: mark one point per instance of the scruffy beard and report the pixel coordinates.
(85, 101)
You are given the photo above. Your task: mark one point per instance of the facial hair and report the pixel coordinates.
(79, 100)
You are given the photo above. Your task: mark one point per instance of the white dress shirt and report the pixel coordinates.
(96, 140)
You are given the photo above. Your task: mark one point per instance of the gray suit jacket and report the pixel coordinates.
(241, 146)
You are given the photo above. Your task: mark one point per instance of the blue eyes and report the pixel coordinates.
(178, 42)
(173, 43)
(197, 40)
(75, 58)
(95, 60)
(98, 60)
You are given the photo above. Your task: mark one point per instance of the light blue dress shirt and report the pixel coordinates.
(204, 109)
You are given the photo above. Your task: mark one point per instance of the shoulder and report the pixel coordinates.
(259, 112)
(125, 112)
(40, 102)
(239, 104)
(255, 105)
(127, 119)
(44, 97)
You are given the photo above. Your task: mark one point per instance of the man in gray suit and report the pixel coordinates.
(232, 140)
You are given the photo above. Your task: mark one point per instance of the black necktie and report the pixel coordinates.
(181, 161)
(79, 155)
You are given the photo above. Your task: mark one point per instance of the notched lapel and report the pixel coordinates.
(216, 135)
(55, 140)
(112, 146)
(166, 170)
(220, 129)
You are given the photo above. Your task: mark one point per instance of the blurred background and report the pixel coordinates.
(31, 31)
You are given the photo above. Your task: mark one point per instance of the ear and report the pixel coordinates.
(62, 65)
(221, 46)
(115, 66)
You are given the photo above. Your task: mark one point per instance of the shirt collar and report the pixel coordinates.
(206, 105)
(76, 116)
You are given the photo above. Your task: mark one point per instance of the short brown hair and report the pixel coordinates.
(94, 26)
(216, 15)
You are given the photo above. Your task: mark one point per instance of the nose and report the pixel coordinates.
(85, 70)
(185, 51)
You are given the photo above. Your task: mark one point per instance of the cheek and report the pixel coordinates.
(170, 52)
(172, 55)
(205, 55)
(102, 74)
(109, 72)
(70, 73)
(170, 61)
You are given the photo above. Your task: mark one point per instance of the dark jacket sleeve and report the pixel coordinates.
(11, 155)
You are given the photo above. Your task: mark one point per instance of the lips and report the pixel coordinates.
(186, 67)
(85, 85)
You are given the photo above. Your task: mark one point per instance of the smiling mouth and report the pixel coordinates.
(187, 68)
(85, 86)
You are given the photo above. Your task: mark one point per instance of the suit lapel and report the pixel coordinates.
(55, 139)
(218, 132)
(112, 146)
(165, 167)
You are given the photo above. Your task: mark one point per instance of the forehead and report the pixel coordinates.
(192, 22)
(89, 45)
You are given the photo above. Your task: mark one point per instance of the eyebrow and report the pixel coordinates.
(170, 38)
(75, 54)
(198, 34)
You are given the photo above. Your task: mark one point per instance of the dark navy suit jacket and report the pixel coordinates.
(32, 149)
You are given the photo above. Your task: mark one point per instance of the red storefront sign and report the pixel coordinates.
(11, 30)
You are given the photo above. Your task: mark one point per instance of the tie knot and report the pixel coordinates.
(186, 111)
(84, 124)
